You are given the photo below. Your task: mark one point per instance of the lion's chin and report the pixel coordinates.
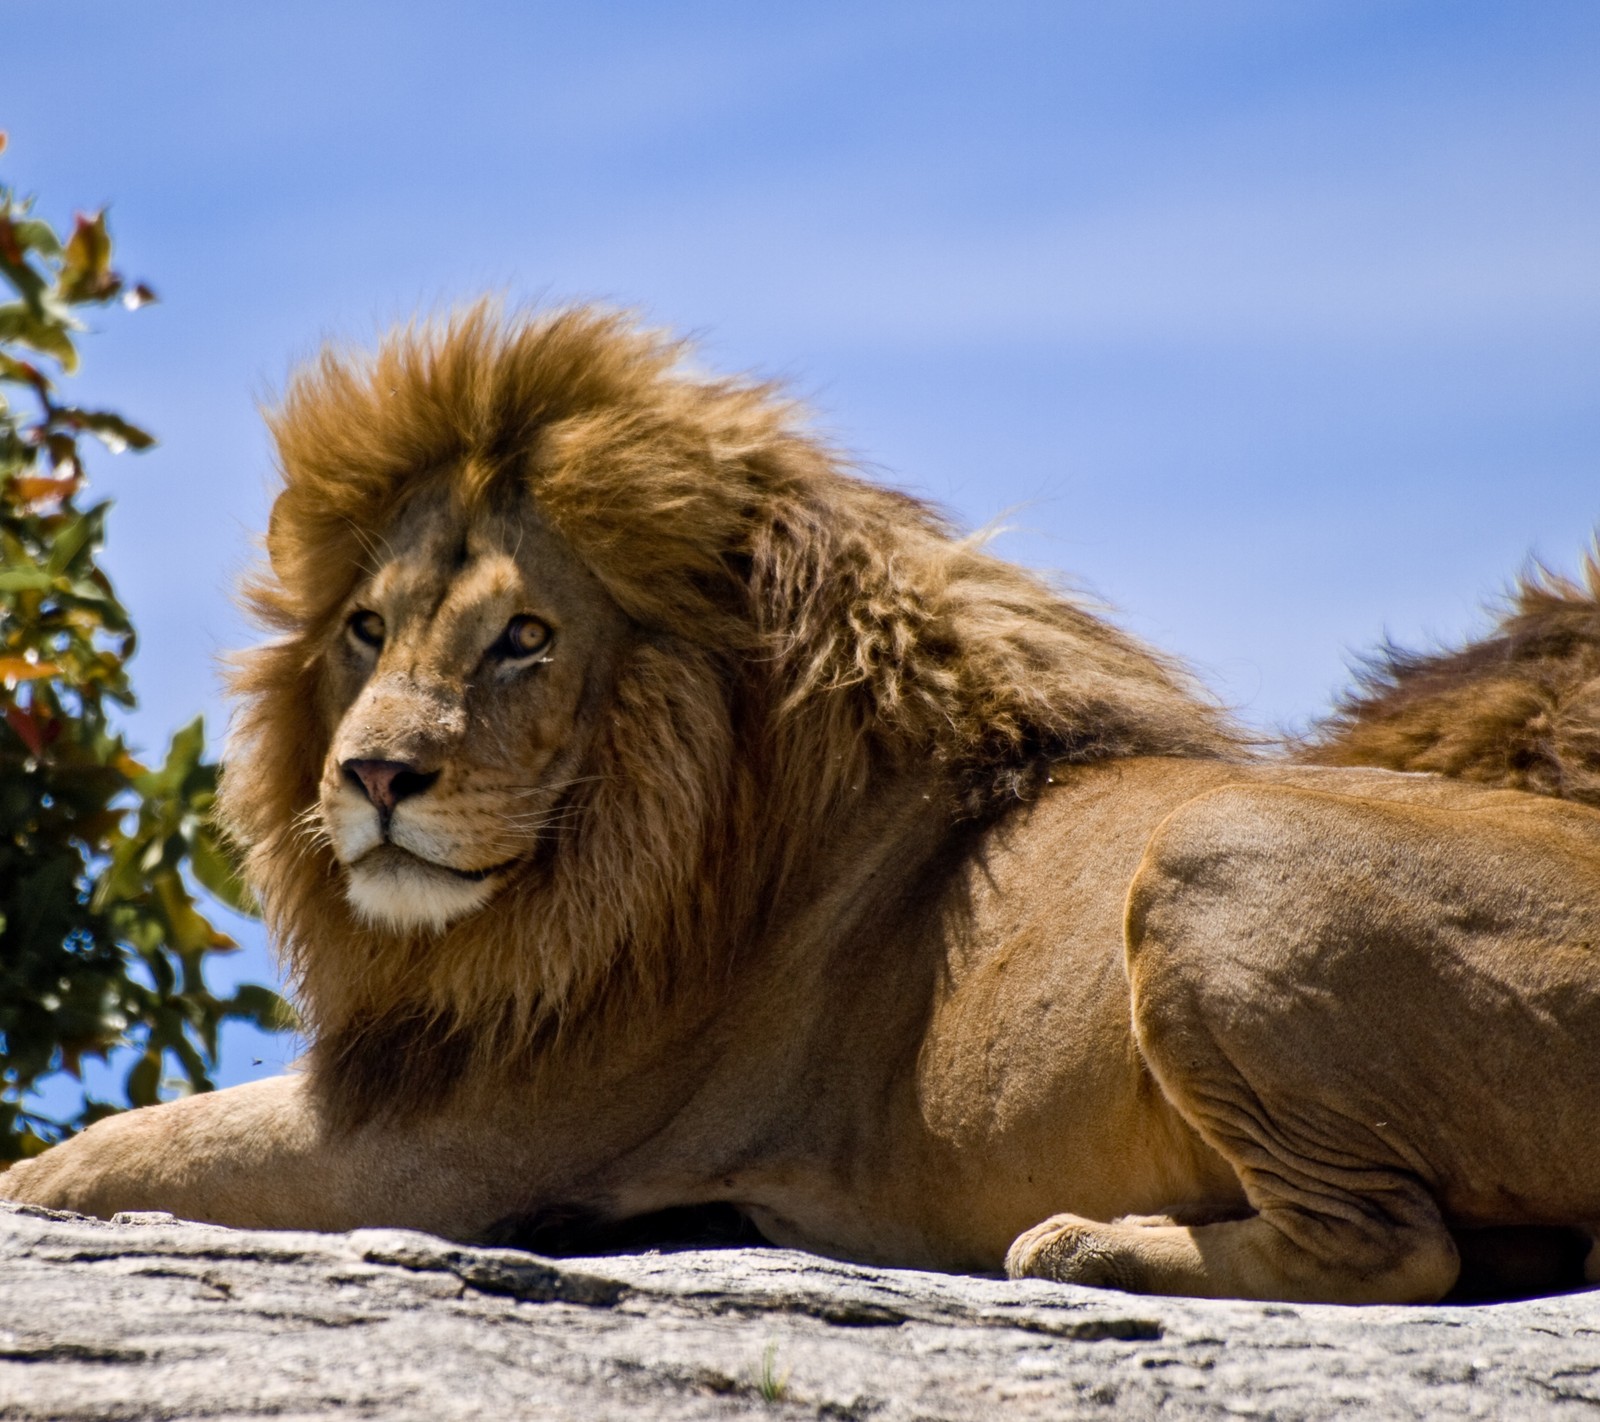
(393, 889)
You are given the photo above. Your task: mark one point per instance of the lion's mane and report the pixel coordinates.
(1518, 708)
(801, 634)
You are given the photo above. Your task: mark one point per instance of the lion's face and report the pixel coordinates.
(462, 685)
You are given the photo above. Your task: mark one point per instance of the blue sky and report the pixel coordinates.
(1273, 323)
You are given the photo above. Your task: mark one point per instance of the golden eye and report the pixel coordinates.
(367, 628)
(524, 637)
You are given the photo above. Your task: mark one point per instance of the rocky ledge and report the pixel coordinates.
(149, 1317)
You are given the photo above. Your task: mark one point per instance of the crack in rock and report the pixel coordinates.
(490, 1271)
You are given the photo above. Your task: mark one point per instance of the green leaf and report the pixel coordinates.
(36, 235)
(218, 874)
(188, 745)
(25, 580)
(103, 943)
(71, 540)
(86, 273)
(183, 755)
(193, 1064)
(187, 930)
(144, 1080)
(263, 1007)
(40, 333)
(112, 430)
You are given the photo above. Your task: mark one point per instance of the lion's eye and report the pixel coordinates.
(524, 637)
(367, 628)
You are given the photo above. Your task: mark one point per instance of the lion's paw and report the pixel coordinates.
(1072, 1250)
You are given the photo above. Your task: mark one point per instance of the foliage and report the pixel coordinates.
(771, 1385)
(101, 941)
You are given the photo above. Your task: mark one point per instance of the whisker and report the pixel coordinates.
(365, 538)
(309, 827)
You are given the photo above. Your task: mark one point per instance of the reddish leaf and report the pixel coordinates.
(63, 454)
(13, 369)
(28, 730)
(10, 248)
(36, 491)
(20, 669)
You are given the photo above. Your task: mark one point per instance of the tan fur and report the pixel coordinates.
(1518, 708)
(854, 632)
(820, 865)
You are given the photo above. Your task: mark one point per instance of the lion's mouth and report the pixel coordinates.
(390, 857)
(401, 890)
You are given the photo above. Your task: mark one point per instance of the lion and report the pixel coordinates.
(1518, 708)
(656, 816)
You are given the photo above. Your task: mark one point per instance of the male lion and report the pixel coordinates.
(655, 815)
(1519, 708)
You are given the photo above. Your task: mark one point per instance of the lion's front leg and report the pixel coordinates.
(250, 1156)
(264, 1156)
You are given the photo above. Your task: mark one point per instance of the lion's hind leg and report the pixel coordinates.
(1266, 1256)
(1348, 998)
(1327, 988)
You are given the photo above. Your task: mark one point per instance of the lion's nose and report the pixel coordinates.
(387, 782)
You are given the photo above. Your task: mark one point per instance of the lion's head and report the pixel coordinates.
(466, 683)
(577, 653)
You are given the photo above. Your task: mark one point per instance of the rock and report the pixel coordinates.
(150, 1317)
